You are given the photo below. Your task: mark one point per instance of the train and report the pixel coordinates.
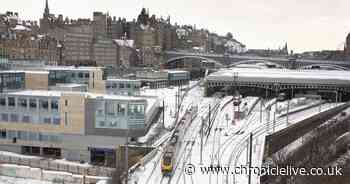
(168, 158)
(169, 153)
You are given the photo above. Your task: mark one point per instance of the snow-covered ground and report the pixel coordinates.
(11, 180)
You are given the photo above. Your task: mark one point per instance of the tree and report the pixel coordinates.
(229, 35)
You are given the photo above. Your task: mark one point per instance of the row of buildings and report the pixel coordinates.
(104, 40)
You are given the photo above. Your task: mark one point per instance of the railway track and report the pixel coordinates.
(241, 144)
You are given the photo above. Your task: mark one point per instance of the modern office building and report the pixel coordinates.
(11, 80)
(78, 126)
(165, 78)
(123, 87)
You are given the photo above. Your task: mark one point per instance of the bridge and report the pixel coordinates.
(173, 56)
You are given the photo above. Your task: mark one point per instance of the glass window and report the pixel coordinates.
(2, 134)
(44, 104)
(113, 124)
(121, 109)
(14, 118)
(26, 119)
(5, 117)
(66, 118)
(110, 108)
(115, 85)
(128, 86)
(101, 124)
(11, 101)
(87, 75)
(32, 103)
(47, 120)
(56, 121)
(11, 134)
(22, 102)
(80, 75)
(43, 137)
(23, 135)
(3, 101)
(54, 105)
(121, 85)
(33, 136)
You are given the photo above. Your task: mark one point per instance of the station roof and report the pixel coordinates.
(329, 77)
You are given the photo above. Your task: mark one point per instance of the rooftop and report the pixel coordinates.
(282, 76)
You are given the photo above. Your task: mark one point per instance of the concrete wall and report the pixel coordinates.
(96, 82)
(75, 111)
(44, 175)
(37, 80)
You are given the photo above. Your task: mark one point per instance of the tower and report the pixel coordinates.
(47, 10)
(45, 21)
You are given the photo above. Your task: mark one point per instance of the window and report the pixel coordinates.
(11, 101)
(2, 134)
(66, 102)
(26, 119)
(22, 102)
(113, 124)
(128, 86)
(14, 118)
(80, 75)
(5, 117)
(56, 121)
(33, 136)
(47, 120)
(32, 103)
(23, 135)
(54, 105)
(109, 108)
(87, 75)
(100, 112)
(2, 101)
(121, 109)
(115, 85)
(44, 104)
(43, 137)
(101, 124)
(121, 86)
(11, 134)
(66, 118)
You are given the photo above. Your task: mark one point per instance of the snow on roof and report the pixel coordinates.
(176, 71)
(122, 80)
(36, 93)
(21, 28)
(282, 76)
(125, 43)
(37, 72)
(12, 71)
(64, 68)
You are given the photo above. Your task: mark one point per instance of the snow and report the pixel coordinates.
(12, 180)
(282, 76)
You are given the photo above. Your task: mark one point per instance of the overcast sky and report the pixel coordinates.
(304, 24)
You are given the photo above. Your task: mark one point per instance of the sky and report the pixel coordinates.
(306, 25)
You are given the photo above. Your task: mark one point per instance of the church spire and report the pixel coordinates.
(47, 10)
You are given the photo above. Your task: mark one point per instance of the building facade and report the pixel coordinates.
(71, 125)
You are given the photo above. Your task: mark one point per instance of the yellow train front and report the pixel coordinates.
(167, 163)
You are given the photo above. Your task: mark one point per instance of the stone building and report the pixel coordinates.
(99, 24)
(78, 47)
(105, 52)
